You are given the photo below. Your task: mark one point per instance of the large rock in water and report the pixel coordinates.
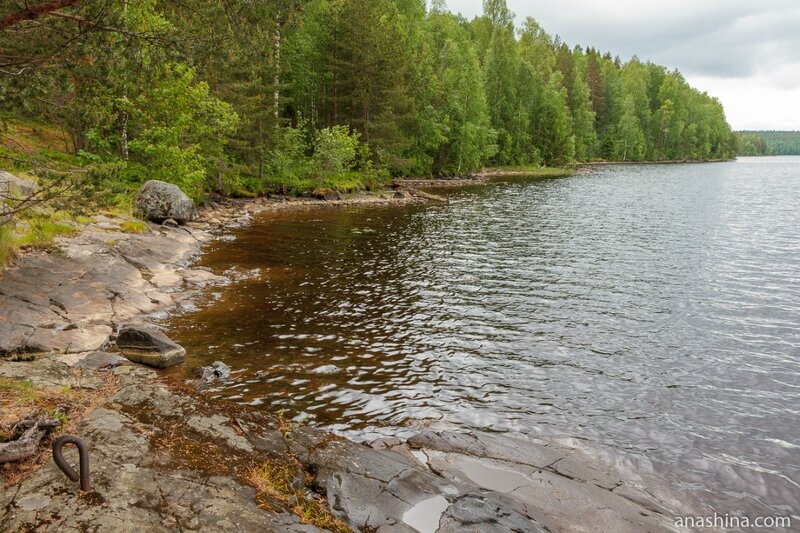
(159, 201)
(147, 344)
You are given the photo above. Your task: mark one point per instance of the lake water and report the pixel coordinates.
(649, 313)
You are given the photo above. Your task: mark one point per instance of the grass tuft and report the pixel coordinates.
(8, 247)
(40, 229)
(133, 226)
(274, 480)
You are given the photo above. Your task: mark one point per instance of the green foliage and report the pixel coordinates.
(769, 142)
(335, 159)
(252, 97)
(39, 229)
(7, 244)
(335, 150)
(182, 130)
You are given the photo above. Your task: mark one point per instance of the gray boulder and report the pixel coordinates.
(159, 201)
(147, 344)
(14, 187)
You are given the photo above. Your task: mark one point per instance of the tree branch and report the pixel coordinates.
(97, 25)
(32, 13)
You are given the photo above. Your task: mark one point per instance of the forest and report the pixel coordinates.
(245, 97)
(759, 143)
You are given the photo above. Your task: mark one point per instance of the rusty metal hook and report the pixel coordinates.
(61, 463)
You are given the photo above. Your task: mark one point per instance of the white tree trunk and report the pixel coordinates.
(277, 80)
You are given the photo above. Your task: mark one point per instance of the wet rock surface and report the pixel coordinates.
(470, 482)
(148, 345)
(166, 460)
(218, 371)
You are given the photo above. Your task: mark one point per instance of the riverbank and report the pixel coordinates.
(166, 458)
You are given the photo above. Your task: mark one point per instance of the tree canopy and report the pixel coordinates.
(756, 143)
(249, 96)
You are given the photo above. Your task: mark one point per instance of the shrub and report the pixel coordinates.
(335, 150)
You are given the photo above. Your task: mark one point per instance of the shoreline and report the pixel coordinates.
(494, 175)
(666, 162)
(116, 278)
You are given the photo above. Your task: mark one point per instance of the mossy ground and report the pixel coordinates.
(21, 398)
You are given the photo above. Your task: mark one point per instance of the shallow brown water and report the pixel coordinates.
(649, 311)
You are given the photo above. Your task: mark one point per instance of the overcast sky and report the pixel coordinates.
(744, 52)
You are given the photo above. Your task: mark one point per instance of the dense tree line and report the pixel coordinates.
(768, 142)
(234, 94)
(752, 144)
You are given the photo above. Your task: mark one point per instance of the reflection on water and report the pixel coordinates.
(649, 310)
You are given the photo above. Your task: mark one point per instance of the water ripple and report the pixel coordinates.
(651, 312)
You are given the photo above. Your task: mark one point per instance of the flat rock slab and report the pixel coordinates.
(135, 486)
(387, 491)
(73, 302)
(49, 373)
(549, 484)
(99, 360)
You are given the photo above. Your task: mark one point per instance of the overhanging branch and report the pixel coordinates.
(34, 12)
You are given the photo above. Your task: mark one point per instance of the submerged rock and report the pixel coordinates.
(217, 371)
(159, 201)
(148, 345)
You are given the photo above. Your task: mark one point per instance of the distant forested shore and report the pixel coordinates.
(760, 143)
(245, 97)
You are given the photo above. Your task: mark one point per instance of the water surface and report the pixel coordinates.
(649, 311)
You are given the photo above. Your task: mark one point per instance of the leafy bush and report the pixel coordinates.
(181, 130)
(335, 150)
(337, 160)
(289, 155)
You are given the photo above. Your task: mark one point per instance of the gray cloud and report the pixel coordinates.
(743, 51)
(732, 38)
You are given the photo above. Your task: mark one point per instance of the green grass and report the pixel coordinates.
(8, 248)
(17, 390)
(133, 226)
(535, 172)
(36, 230)
(40, 229)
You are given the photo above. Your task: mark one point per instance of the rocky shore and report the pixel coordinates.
(165, 458)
